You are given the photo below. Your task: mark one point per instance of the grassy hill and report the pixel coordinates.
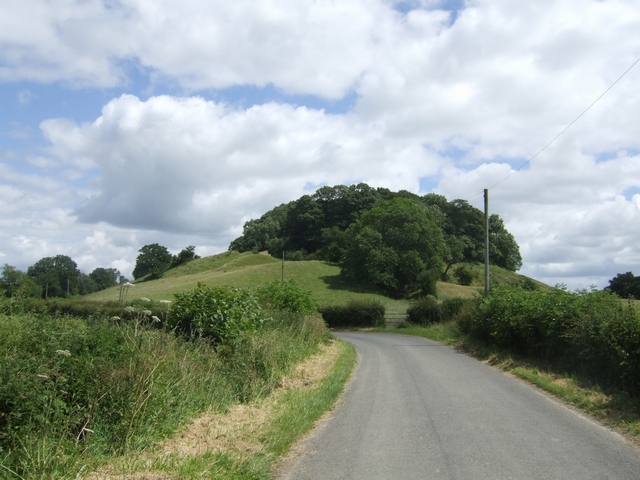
(254, 270)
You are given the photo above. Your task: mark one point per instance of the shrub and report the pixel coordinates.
(463, 275)
(593, 333)
(221, 314)
(428, 310)
(287, 296)
(424, 311)
(356, 313)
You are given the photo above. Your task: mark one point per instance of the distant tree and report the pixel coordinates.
(185, 256)
(504, 250)
(13, 280)
(625, 285)
(86, 284)
(58, 276)
(153, 260)
(397, 246)
(105, 277)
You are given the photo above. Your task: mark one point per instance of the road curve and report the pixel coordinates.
(417, 409)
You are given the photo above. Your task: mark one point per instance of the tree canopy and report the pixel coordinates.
(314, 226)
(625, 285)
(153, 260)
(58, 276)
(396, 246)
(105, 277)
(13, 280)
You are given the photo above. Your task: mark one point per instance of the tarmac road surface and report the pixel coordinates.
(417, 409)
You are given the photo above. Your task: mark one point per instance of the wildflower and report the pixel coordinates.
(128, 284)
(165, 301)
(65, 353)
(155, 319)
(129, 309)
(115, 318)
(146, 312)
(42, 376)
(145, 299)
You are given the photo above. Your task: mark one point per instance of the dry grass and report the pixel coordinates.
(237, 432)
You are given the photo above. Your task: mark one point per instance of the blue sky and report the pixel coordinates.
(122, 126)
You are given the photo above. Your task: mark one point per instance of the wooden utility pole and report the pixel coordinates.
(282, 266)
(486, 242)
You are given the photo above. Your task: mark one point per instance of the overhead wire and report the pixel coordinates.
(563, 130)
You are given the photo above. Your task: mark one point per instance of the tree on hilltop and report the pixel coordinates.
(396, 246)
(153, 260)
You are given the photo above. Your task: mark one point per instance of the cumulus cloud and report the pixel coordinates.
(456, 100)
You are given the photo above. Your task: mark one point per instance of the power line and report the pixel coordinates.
(564, 130)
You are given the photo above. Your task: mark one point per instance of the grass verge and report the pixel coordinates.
(613, 408)
(247, 440)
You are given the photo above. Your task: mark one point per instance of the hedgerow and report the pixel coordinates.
(287, 296)
(592, 332)
(73, 390)
(356, 313)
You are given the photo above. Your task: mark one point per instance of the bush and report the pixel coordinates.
(356, 313)
(287, 296)
(593, 333)
(427, 310)
(75, 389)
(424, 311)
(463, 275)
(220, 314)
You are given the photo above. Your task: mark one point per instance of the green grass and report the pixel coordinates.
(251, 270)
(129, 386)
(295, 413)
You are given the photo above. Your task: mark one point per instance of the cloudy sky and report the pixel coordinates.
(128, 122)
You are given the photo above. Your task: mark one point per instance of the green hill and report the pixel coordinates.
(322, 279)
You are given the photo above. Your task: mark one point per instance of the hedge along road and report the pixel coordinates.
(417, 409)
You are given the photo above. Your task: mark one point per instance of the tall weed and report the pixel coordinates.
(74, 390)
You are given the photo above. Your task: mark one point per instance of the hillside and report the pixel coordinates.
(253, 270)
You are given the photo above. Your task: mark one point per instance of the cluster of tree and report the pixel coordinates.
(55, 277)
(154, 259)
(399, 241)
(625, 285)
(59, 276)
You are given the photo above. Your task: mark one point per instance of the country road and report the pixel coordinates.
(418, 409)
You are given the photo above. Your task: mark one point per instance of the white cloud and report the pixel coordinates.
(460, 104)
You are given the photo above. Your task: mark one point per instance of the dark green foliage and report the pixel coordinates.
(356, 313)
(625, 285)
(153, 260)
(463, 275)
(58, 276)
(463, 228)
(428, 310)
(424, 311)
(221, 314)
(503, 249)
(588, 332)
(105, 277)
(185, 256)
(72, 389)
(14, 282)
(397, 246)
(287, 296)
(314, 226)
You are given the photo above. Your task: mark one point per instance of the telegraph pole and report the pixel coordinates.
(486, 242)
(282, 266)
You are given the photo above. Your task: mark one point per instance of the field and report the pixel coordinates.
(323, 280)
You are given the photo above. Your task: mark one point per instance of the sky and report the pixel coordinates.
(130, 122)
